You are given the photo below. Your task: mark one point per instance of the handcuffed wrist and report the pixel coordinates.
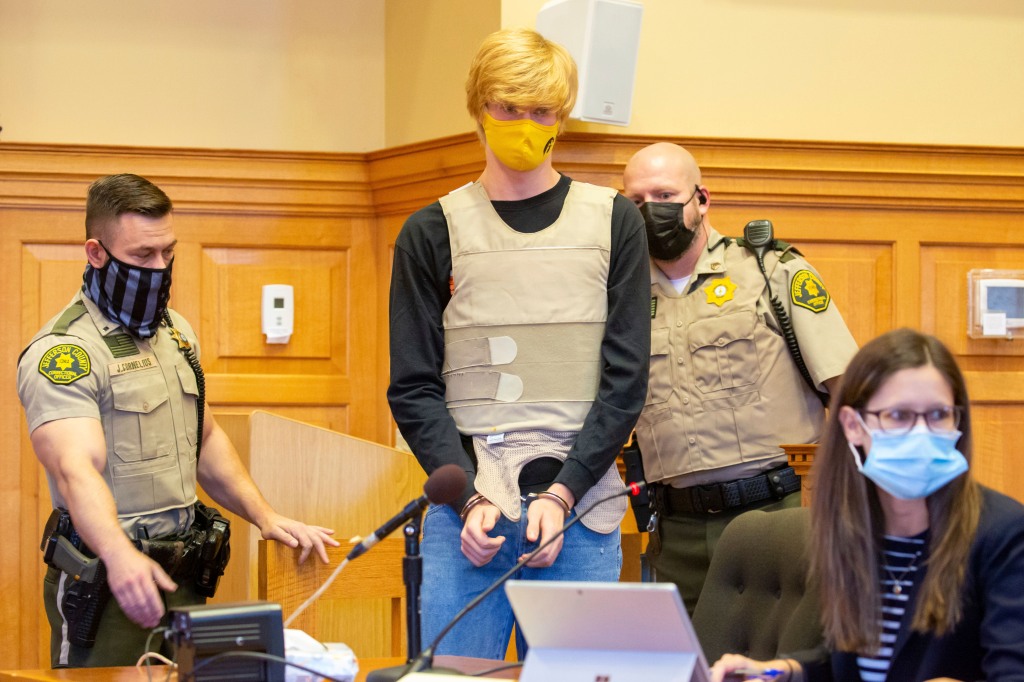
(470, 503)
(556, 497)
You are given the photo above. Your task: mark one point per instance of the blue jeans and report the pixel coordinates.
(450, 581)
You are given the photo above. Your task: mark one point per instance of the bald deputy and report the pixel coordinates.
(724, 389)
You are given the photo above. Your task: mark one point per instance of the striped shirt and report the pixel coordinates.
(900, 562)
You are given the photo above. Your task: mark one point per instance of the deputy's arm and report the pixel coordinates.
(73, 451)
(222, 475)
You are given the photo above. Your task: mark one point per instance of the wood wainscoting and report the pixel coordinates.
(892, 228)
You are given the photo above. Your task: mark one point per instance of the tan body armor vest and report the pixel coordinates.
(524, 326)
(523, 335)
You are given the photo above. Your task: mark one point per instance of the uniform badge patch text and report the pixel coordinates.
(133, 365)
(65, 364)
(807, 291)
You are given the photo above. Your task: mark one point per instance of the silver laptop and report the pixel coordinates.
(605, 632)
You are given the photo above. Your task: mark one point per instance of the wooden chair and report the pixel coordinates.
(364, 607)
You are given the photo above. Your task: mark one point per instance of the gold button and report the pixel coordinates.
(716, 266)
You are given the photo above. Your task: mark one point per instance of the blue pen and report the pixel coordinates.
(755, 674)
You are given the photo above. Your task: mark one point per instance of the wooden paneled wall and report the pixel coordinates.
(893, 229)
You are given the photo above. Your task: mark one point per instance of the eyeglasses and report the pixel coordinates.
(899, 421)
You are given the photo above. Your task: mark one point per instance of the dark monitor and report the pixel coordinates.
(200, 633)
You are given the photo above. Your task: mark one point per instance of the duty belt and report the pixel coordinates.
(719, 497)
(178, 555)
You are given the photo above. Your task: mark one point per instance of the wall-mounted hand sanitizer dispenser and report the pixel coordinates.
(278, 312)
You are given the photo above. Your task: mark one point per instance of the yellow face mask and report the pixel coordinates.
(522, 144)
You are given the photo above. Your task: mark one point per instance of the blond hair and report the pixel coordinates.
(520, 67)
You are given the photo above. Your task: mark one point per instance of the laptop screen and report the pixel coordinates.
(605, 617)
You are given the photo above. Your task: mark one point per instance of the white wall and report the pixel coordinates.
(242, 74)
(927, 71)
(310, 74)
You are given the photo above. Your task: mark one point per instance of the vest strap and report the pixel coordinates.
(482, 385)
(479, 352)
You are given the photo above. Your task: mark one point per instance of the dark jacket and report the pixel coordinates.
(988, 642)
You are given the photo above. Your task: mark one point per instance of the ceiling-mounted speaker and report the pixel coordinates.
(603, 36)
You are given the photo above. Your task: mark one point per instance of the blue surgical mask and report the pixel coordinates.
(912, 465)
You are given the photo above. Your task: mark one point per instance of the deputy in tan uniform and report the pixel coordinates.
(724, 389)
(111, 387)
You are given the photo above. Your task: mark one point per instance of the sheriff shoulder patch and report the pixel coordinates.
(807, 291)
(65, 364)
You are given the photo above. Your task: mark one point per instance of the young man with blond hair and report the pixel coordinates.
(519, 350)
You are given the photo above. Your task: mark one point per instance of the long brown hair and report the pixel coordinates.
(847, 524)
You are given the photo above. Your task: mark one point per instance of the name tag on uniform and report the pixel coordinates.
(134, 365)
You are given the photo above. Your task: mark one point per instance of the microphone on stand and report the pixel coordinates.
(425, 659)
(443, 486)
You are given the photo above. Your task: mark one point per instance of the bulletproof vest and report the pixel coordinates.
(527, 315)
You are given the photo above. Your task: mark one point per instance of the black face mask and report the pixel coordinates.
(667, 234)
(132, 295)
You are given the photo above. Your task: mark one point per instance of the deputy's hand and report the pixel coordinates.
(135, 580)
(297, 534)
(477, 545)
(724, 668)
(545, 517)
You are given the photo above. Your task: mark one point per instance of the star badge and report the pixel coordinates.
(180, 339)
(719, 291)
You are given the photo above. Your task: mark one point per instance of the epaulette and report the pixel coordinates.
(120, 345)
(789, 252)
(72, 313)
(61, 325)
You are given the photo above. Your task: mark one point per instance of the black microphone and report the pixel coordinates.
(425, 659)
(443, 486)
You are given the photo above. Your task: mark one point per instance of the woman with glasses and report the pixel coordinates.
(920, 568)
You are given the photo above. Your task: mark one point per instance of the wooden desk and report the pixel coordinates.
(131, 674)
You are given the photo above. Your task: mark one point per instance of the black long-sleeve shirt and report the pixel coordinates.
(419, 294)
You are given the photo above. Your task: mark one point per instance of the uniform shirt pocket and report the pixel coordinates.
(189, 399)
(659, 384)
(148, 486)
(141, 424)
(724, 352)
